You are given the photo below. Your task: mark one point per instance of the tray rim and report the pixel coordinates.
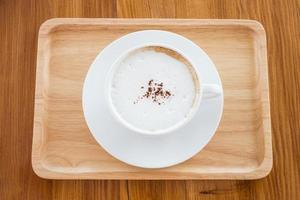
(261, 171)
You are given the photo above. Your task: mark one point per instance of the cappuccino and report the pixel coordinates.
(153, 89)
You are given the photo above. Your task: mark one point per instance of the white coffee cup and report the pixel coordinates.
(204, 92)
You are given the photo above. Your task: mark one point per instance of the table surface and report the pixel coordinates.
(19, 23)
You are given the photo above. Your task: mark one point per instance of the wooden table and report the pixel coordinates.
(19, 23)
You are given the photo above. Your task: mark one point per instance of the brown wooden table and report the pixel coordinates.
(19, 23)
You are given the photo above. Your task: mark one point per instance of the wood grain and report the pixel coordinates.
(62, 144)
(19, 22)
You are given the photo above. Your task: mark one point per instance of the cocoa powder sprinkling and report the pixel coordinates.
(155, 92)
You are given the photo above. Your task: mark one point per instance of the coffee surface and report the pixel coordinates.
(153, 88)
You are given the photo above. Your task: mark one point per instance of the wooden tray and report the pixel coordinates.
(63, 147)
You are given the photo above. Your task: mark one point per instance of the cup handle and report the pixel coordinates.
(211, 91)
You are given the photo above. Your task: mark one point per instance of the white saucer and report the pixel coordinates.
(145, 150)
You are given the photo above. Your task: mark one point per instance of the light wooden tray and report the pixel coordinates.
(63, 147)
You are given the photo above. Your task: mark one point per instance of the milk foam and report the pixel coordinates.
(130, 83)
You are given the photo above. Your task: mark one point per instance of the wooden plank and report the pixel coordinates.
(157, 190)
(18, 36)
(89, 190)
